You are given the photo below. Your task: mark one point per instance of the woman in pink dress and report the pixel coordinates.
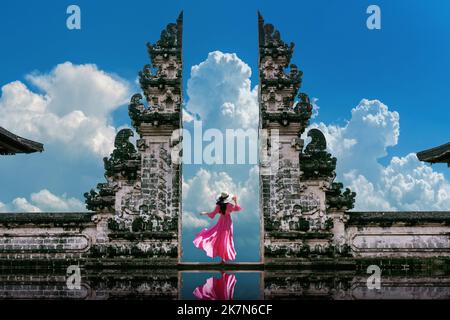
(217, 241)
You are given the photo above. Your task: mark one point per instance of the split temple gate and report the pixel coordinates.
(135, 214)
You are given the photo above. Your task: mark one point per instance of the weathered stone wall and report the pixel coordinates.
(398, 234)
(41, 235)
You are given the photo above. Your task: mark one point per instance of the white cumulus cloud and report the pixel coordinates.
(71, 108)
(220, 91)
(44, 201)
(404, 184)
(47, 201)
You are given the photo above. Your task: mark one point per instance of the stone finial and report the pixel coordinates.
(123, 163)
(315, 161)
(280, 81)
(270, 41)
(124, 160)
(161, 81)
(170, 40)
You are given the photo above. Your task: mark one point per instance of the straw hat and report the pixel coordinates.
(224, 196)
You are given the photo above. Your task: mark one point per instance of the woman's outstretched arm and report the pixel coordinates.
(212, 213)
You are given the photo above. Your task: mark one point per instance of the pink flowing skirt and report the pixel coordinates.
(217, 241)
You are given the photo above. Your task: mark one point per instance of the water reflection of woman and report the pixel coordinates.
(217, 289)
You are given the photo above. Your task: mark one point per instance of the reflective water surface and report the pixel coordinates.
(220, 285)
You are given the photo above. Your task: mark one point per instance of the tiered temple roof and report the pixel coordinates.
(11, 144)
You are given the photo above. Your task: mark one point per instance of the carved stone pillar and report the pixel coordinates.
(297, 194)
(143, 192)
(280, 114)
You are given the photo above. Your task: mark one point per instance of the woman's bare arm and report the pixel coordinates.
(212, 213)
(236, 207)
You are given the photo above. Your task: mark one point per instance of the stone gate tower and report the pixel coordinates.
(143, 189)
(296, 194)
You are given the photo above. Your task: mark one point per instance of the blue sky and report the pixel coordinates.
(403, 67)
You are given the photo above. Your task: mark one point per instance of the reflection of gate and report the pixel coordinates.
(50, 284)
